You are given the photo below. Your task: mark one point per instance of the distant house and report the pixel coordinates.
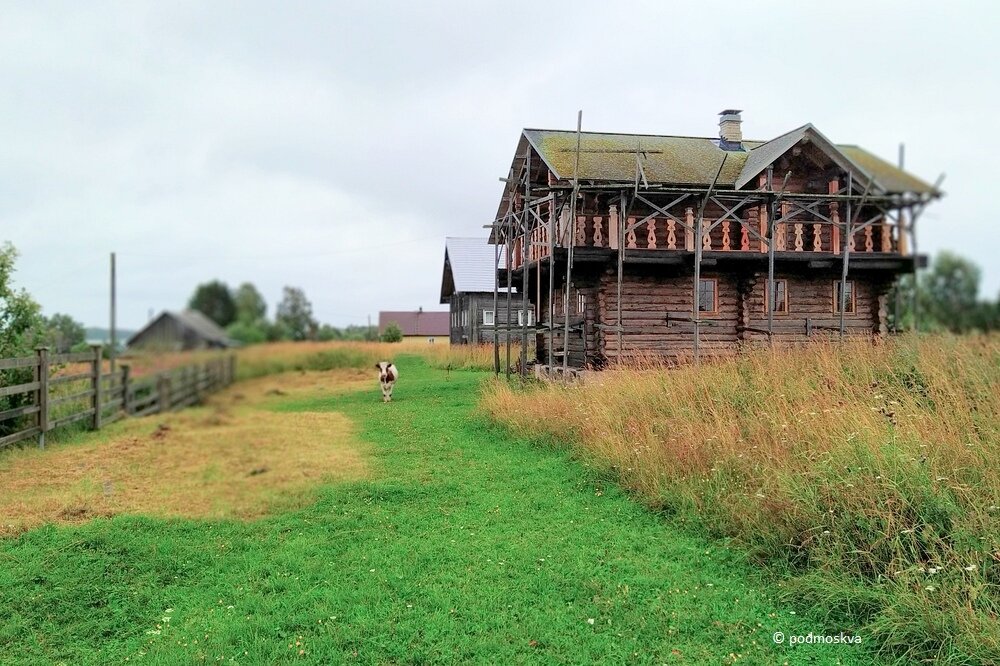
(427, 327)
(467, 286)
(179, 331)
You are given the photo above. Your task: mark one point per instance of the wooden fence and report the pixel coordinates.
(59, 394)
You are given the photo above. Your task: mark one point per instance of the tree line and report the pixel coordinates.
(242, 312)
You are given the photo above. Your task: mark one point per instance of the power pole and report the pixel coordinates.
(113, 352)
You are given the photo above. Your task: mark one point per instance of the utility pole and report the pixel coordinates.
(113, 352)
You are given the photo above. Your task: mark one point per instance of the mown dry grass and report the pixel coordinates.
(232, 457)
(872, 473)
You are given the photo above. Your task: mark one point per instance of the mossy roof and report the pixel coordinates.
(687, 160)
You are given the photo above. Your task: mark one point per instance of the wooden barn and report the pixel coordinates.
(179, 331)
(468, 287)
(677, 246)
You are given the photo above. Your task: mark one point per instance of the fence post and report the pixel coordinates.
(42, 395)
(126, 386)
(163, 392)
(231, 374)
(95, 384)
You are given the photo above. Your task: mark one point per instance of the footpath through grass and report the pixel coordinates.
(463, 547)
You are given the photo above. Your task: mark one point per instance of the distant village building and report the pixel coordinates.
(179, 331)
(673, 246)
(467, 286)
(417, 326)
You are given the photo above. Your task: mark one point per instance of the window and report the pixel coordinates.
(708, 295)
(465, 317)
(520, 317)
(488, 318)
(581, 303)
(781, 297)
(850, 297)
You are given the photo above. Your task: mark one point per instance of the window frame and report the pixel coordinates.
(715, 295)
(492, 318)
(851, 302)
(520, 317)
(767, 296)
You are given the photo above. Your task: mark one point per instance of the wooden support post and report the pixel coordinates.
(496, 301)
(95, 383)
(569, 254)
(163, 393)
(42, 394)
(127, 389)
(613, 227)
(525, 224)
(689, 229)
(549, 358)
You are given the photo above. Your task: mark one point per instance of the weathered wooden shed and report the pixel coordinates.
(674, 246)
(468, 284)
(179, 331)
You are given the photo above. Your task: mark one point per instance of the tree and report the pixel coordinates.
(22, 328)
(949, 291)
(392, 333)
(21, 323)
(947, 298)
(214, 301)
(248, 333)
(327, 333)
(64, 333)
(250, 305)
(295, 314)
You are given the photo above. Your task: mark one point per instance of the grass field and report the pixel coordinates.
(867, 476)
(458, 544)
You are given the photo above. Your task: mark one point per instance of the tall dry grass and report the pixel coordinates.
(869, 473)
(266, 359)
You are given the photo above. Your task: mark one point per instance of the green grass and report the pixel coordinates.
(465, 547)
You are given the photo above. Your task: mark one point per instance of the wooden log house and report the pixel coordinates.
(641, 245)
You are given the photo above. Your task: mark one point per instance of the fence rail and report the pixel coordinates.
(46, 401)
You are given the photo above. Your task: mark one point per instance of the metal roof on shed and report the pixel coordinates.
(468, 262)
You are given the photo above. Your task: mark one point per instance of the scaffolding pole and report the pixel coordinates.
(496, 303)
(851, 220)
(525, 261)
(698, 242)
(571, 243)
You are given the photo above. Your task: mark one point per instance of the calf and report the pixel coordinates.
(387, 376)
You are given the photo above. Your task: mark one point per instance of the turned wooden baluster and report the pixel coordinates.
(781, 229)
(759, 224)
(630, 236)
(886, 235)
(817, 238)
(798, 236)
(833, 187)
(671, 234)
(725, 236)
(689, 229)
(581, 230)
(744, 236)
(651, 234)
(613, 227)
(869, 244)
(598, 232)
(706, 236)
(902, 242)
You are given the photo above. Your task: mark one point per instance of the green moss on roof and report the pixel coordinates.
(681, 160)
(891, 177)
(688, 160)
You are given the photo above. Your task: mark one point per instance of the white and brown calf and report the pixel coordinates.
(387, 376)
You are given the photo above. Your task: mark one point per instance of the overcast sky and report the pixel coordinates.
(333, 146)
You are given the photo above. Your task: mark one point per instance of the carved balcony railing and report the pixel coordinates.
(747, 234)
